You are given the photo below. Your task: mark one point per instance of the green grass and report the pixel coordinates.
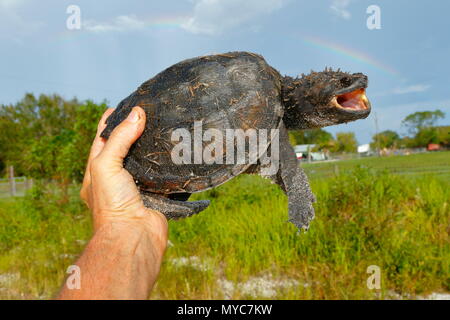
(437, 163)
(364, 217)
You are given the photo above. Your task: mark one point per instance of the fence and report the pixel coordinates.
(431, 163)
(14, 186)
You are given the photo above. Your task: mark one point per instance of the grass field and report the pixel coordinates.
(421, 164)
(375, 211)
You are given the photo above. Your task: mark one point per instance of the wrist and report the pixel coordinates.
(143, 224)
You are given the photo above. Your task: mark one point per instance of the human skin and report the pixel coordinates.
(123, 258)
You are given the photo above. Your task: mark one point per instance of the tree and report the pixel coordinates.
(420, 120)
(406, 142)
(73, 155)
(443, 135)
(2, 166)
(426, 136)
(48, 137)
(421, 126)
(386, 139)
(345, 142)
(312, 136)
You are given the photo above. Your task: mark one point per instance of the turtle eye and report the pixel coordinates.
(346, 81)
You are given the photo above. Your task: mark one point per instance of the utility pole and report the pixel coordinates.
(12, 181)
(377, 138)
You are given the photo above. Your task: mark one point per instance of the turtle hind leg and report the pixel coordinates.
(173, 209)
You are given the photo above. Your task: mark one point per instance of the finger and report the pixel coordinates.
(86, 193)
(121, 139)
(96, 147)
(99, 142)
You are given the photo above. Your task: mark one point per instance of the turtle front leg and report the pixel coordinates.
(294, 182)
(173, 209)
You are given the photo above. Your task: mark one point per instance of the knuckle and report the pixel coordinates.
(84, 195)
(120, 132)
(96, 165)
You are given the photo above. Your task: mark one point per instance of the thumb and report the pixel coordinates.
(121, 139)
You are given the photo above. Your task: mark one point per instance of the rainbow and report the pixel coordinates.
(347, 52)
(177, 21)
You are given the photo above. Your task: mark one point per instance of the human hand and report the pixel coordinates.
(123, 258)
(110, 191)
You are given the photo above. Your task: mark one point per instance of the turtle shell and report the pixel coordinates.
(236, 90)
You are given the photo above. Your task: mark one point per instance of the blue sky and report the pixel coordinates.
(123, 43)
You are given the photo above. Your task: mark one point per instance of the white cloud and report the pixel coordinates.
(215, 16)
(339, 8)
(13, 26)
(208, 17)
(415, 88)
(120, 23)
(411, 89)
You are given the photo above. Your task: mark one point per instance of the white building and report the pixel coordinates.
(302, 151)
(364, 149)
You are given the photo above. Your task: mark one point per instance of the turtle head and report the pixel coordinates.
(324, 98)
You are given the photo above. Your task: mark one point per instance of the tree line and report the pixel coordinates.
(422, 130)
(48, 137)
(420, 127)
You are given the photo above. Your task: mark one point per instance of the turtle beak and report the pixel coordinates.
(355, 100)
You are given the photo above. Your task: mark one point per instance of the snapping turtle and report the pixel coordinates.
(236, 90)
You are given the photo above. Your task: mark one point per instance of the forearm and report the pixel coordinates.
(120, 262)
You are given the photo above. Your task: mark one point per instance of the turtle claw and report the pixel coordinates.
(301, 213)
(173, 209)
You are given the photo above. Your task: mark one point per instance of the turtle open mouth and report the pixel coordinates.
(355, 100)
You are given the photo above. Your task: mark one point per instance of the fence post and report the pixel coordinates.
(28, 183)
(336, 170)
(309, 154)
(12, 181)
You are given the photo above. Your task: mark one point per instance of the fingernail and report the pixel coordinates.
(133, 116)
